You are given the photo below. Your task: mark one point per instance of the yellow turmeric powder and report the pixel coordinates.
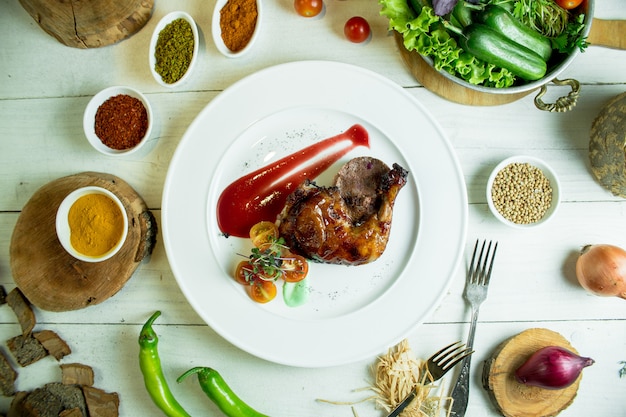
(96, 224)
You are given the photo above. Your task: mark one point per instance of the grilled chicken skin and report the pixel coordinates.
(347, 223)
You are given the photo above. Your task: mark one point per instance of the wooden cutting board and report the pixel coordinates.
(90, 23)
(51, 278)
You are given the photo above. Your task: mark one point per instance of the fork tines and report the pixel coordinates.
(450, 355)
(481, 274)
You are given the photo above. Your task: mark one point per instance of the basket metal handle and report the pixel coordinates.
(562, 104)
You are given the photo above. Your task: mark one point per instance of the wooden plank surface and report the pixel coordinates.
(45, 87)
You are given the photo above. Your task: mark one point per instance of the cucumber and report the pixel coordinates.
(500, 20)
(495, 48)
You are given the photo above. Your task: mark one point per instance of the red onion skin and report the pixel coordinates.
(552, 367)
(601, 270)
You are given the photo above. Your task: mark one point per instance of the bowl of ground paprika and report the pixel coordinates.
(91, 224)
(118, 121)
(235, 26)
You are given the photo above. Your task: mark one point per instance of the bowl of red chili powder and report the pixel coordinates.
(118, 121)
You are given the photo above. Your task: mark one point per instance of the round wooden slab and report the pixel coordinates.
(51, 278)
(514, 399)
(90, 23)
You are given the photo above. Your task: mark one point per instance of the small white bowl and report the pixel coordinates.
(216, 31)
(547, 171)
(63, 226)
(167, 19)
(89, 119)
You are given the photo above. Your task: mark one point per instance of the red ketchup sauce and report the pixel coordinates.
(261, 195)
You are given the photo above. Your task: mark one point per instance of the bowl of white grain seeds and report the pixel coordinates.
(523, 192)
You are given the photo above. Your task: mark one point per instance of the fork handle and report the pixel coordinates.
(460, 392)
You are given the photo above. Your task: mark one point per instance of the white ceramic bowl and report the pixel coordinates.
(63, 227)
(216, 31)
(167, 19)
(89, 119)
(547, 171)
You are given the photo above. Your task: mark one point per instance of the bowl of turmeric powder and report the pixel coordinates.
(92, 224)
(235, 26)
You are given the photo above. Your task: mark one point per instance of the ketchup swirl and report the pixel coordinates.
(261, 195)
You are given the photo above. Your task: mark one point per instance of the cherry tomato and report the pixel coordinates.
(263, 233)
(356, 29)
(295, 268)
(262, 291)
(308, 8)
(244, 273)
(568, 4)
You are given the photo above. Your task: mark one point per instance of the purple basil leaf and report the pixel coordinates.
(443, 7)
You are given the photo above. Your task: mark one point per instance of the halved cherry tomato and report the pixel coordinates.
(568, 4)
(308, 8)
(263, 233)
(244, 273)
(262, 291)
(295, 268)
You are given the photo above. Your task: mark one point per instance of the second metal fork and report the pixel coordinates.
(475, 293)
(438, 365)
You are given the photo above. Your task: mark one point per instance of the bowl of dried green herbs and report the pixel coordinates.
(174, 49)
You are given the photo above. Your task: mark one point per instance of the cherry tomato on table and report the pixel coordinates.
(356, 29)
(308, 8)
(568, 4)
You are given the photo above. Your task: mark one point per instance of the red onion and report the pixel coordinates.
(552, 367)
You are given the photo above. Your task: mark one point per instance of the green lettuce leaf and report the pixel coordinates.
(426, 33)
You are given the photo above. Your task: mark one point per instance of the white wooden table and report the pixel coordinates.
(44, 87)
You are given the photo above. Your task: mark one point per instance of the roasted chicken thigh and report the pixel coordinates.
(347, 223)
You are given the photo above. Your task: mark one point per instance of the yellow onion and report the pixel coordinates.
(601, 270)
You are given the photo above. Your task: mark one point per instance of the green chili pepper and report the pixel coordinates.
(150, 364)
(220, 393)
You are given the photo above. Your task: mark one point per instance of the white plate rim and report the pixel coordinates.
(397, 312)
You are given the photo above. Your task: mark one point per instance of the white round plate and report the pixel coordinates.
(353, 312)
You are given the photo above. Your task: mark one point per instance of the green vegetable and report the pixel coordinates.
(426, 33)
(504, 22)
(462, 13)
(572, 37)
(220, 393)
(491, 46)
(150, 365)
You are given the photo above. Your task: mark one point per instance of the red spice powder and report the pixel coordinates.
(121, 122)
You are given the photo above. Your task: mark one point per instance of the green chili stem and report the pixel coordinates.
(153, 376)
(220, 393)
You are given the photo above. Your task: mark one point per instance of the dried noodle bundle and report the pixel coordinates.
(398, 373)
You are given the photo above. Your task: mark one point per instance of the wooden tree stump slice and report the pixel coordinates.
(90, 23)
(514, 399)
(51, 278)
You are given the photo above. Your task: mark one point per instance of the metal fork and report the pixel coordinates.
(476, 286)
(438, 365)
